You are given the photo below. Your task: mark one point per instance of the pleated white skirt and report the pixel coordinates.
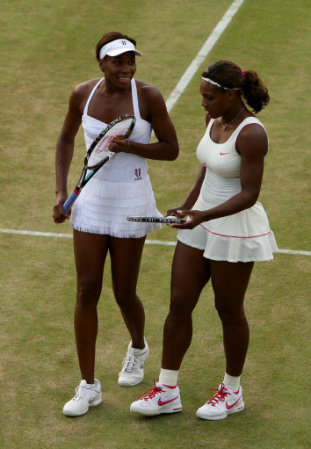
(103, 208)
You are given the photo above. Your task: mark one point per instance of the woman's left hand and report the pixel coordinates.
(194, 218)
(119, 144)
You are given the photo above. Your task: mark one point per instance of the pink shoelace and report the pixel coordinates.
(220, 396)
(153, 392)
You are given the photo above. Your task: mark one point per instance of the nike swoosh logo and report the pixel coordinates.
(223, 154)
(229, 407)
(160, 402)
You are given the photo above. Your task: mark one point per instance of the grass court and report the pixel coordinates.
(47, 47)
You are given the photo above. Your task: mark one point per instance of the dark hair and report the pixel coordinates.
(109, 37)
(230, 76)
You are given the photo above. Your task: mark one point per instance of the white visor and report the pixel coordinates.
(117, 47)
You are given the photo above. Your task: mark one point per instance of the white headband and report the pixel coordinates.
(219, 85)
(117, 47)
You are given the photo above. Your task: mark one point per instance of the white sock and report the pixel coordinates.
(232, 382)
(168, 377)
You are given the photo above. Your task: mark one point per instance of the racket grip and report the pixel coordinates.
(69, 201)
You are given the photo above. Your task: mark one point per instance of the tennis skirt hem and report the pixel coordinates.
(230, 249)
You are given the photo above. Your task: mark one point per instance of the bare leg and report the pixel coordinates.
(230, 281)
(190, 273)
(90, 253)
(125, 263)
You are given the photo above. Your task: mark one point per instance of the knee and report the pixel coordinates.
(229, 313)
(88, 293)
(125, 298)
(179, 306)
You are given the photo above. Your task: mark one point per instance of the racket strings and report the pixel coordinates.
(100, 152)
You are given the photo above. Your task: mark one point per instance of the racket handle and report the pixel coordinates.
(69, 201)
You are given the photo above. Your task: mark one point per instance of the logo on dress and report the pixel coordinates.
(137, 173)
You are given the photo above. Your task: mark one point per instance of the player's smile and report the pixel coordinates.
(120, 68)
(125, 79)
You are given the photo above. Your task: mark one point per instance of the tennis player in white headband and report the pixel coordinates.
(117, 47)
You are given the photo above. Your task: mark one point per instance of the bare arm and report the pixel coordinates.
(252, 144)
(64, 151)
(193, 195)
(195, 191)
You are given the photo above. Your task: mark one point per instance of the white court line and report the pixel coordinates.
(292, 251)
(200, 57)
(148, 242)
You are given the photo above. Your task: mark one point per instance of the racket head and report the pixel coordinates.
(169, 220)
(99, 151)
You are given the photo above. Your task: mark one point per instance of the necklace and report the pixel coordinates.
(235, 117)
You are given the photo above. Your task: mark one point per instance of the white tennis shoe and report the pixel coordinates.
(159, 399)
(222, 404)
(87, 395)
(132, 372)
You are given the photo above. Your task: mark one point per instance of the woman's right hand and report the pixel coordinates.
(59, 215)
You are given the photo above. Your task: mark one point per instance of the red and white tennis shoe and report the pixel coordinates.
(222, 404)
(159, 399)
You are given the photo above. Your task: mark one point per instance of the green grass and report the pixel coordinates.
(46, 48)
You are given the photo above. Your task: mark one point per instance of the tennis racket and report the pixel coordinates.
(168, 220)
(98, 153)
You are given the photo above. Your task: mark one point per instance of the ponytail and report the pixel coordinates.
(253, 90)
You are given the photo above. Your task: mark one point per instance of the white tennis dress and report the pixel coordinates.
(120, 188)
(245, 236)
